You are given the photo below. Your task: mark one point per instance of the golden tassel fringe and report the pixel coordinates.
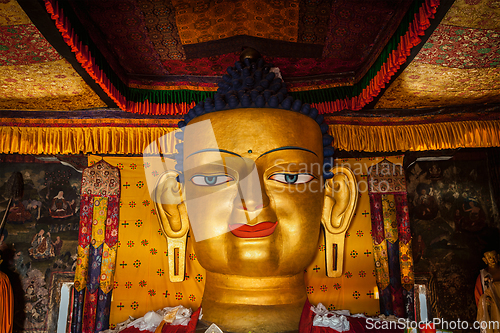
(133, 140)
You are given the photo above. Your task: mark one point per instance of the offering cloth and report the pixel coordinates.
(357, 323)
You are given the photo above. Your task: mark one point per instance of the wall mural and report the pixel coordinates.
(453, 222)
(40, 236)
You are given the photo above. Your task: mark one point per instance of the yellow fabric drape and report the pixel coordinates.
(98, 220)
(406, 265)
(381, 264)
(133, 140)
(417, 137)
(108, 267)
(76, 140)
(82, 267)
(141, 278)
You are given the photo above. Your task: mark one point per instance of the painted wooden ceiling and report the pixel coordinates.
(458, 64)
(150, 47)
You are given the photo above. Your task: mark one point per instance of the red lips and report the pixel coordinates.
(261, 229)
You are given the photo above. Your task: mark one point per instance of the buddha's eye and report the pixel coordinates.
(292, 178)
(211, 180)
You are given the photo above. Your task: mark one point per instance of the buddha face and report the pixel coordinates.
(253, 191)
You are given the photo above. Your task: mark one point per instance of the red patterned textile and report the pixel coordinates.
(23, 44)
(353, 20)
(376, 216)
(391, 237)
(101, 179)
(403, 218)
(84, 232)
(125, 28)
(89, 311)
(111, 236)
(147, 33)
(295, 67)
(164, 36)
(159, 108)
(461, 47)
(98, 237)
(313, 21)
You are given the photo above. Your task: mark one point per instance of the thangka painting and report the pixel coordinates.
(40, 235)
(452, 223)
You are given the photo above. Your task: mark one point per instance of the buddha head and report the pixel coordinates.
(491, 258)
(253, 184)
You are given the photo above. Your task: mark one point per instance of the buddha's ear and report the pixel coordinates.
(341, 197)
(174, 223)
(169, 205)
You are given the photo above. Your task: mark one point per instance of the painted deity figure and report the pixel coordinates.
(488, 303)
(60, 208)
(253, 188)
(18, 213)
(41, 246)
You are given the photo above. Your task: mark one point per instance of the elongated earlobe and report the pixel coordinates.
(174, 223)
(341, 197)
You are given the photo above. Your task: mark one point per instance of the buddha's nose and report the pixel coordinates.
(253, 197)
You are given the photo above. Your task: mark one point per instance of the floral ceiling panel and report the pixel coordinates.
(459, 63)
(479, 14)
(434, 85)
(12, 14)
(460, 47)
(33, 75)
(23, 44)
(205, 22)
(151, 38)
(45, 86)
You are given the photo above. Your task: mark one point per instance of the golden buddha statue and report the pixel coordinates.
(488, 298)
(253, 187)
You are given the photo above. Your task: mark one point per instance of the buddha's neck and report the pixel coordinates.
(242, 304)
(235, 289)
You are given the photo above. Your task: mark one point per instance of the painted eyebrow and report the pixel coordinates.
(213, 150)
(287, 148)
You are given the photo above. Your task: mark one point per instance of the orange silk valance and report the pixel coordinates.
(416, 137)
(78, 140)
(352, 137)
